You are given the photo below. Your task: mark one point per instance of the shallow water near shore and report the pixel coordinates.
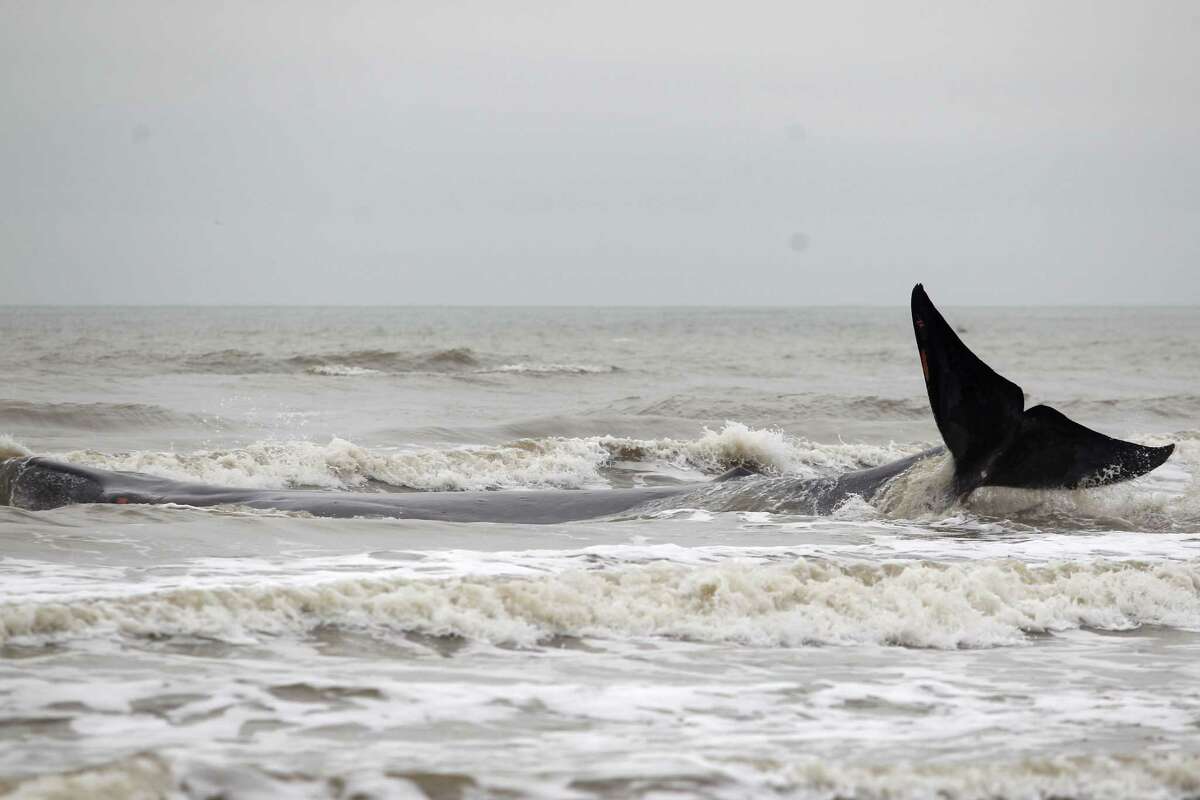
(1020, 644)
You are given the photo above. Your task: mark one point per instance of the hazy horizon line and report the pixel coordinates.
(587, 305)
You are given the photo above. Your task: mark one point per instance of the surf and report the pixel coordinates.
(991, 440)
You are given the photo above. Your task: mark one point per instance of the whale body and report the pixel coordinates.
(992, 439)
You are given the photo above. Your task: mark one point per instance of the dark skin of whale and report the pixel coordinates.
(992, 438)
(41, 483)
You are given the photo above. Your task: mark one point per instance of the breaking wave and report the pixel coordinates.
(1065, 777)
(11, 448)
(984, 603)
(764, 449)
(139, 776)
(560, 462)
(341, 464)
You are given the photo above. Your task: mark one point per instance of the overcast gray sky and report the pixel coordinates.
(602, 152)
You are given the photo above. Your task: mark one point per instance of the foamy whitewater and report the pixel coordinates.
(1020, 644)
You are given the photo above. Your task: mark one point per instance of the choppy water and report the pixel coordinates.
(1025, 644)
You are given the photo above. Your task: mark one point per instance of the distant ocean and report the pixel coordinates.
(1020, 645)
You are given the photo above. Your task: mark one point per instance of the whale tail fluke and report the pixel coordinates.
(995, 441)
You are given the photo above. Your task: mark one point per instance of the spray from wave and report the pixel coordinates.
(763, 449)
(11, 448)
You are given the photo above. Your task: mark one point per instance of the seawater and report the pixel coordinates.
(1019, 644)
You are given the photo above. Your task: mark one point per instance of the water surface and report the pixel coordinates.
(1020, 644)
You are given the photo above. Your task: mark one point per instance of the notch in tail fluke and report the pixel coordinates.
(994, 440)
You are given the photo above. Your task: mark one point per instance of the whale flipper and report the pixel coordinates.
(994, 440)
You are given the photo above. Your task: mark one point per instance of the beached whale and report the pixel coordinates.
(992, 439)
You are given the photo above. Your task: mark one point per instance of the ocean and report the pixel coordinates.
(1018, 644)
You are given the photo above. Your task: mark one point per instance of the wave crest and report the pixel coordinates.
(985, 603)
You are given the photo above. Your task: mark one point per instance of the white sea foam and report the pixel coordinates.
(981, 603)
(1097, 777)
(341, 464)
(923, 491)
(530, 368)
(1154, 776)
(1168, 498)
(342, 370)
(140, 777)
